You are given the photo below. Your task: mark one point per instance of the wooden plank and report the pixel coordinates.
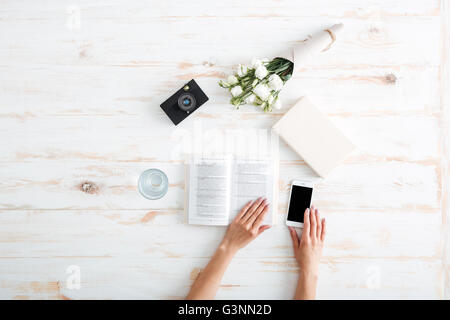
(130, 139)
(445, 140)
(103, 278)
(391, 184)
(381, 185)
(121, 42)
(157, 234)
(230, 8)
(94, 91)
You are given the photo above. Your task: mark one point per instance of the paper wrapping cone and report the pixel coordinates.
(312, 45)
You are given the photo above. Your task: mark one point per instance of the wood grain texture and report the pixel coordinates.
(80, 88)
(445, 124)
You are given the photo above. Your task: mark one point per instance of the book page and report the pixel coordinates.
(251, 179)
(209, 192)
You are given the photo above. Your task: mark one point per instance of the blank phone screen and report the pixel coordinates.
(300, 200)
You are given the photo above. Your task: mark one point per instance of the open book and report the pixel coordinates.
(217, 189)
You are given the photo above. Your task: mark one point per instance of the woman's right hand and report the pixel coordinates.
(308, 249)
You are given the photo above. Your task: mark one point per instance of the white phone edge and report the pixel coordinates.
(301, 183)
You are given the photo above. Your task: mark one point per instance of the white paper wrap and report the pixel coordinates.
(322, 41)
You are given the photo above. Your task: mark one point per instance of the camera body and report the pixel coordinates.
(184, 102)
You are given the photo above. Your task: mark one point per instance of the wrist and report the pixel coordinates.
(306, 286)
(227, 249)
(309, 275)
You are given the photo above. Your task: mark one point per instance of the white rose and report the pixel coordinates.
(277, 104)
(235, 91)
(242, 70)
(270, 99)
(232, 79)
(250, 99)
(261, 72)
(275, 82)
(262, 91)
(256, 63)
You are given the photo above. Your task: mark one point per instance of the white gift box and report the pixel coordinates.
(314, 137)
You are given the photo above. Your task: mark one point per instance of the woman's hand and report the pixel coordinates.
(246, 226)
(308, 250)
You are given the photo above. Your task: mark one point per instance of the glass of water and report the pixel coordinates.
(153, 184)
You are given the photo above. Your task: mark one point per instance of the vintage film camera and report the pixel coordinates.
(185, 101)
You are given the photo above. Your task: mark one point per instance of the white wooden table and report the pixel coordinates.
(80, 88)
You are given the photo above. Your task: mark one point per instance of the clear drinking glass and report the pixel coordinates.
(153, 184)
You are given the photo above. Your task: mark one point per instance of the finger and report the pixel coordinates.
(312, 231)
(324, 230)
(252, 209)
(261, 216)
(294, 237)
(243, 211)
(319, 224)
(306, 223)
(262, 229)
(257, 212)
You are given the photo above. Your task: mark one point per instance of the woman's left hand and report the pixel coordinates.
(246, 226)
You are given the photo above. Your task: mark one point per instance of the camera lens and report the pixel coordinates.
(186, 102)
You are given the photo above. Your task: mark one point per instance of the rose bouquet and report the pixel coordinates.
(260, 83)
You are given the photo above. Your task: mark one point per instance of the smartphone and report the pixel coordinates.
(299, 200)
